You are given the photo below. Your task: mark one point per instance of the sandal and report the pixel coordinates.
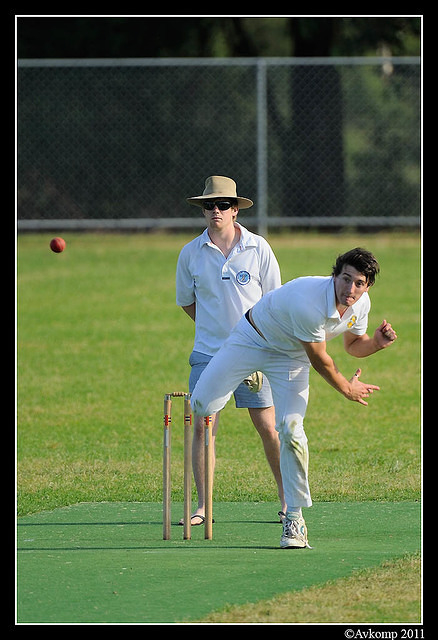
(195, 515)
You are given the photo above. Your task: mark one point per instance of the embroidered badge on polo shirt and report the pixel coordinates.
(243, 277)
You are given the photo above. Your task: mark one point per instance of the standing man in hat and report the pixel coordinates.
(220, 275)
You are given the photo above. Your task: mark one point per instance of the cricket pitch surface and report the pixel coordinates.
(107, 562)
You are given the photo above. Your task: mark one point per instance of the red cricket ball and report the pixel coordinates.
(57, 244)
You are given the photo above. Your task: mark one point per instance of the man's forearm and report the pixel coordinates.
(333, 376)
(327, 369)
(362, 347)
(352, 389)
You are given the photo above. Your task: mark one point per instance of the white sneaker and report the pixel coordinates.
(294, 534)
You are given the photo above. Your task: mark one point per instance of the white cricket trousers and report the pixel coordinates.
(244, 352)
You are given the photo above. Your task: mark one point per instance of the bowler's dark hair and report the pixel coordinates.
(362, 260)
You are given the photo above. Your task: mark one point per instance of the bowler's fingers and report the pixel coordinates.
(387, 330)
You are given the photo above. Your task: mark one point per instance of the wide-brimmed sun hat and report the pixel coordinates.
(220, 187)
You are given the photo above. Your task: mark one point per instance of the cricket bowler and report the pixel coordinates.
(283, 335)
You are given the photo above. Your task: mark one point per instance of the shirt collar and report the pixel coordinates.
(247, 239)
(332, 312)
(205, 238)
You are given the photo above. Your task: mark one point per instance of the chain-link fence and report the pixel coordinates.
(314, 142)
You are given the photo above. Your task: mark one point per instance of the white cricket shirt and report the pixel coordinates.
(223, 288)
(305, 309)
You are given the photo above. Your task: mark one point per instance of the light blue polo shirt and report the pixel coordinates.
(223, 288)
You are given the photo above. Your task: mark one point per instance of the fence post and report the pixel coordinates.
(262, 149)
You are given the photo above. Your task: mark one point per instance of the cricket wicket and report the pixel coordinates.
(208, 468)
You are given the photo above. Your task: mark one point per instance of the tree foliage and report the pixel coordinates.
(86, 37)
(323, 185)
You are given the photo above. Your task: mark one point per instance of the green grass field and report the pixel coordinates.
(100, 340)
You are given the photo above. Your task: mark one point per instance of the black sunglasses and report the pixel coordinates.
(222, 205)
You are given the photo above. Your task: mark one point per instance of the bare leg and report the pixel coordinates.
(264, 422)
(198, 459)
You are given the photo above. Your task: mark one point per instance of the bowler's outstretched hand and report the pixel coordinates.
(361, 390)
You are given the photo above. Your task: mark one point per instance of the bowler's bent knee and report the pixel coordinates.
(203, 405)
(292, 432)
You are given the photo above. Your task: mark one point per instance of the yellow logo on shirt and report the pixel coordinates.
(352, 321)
